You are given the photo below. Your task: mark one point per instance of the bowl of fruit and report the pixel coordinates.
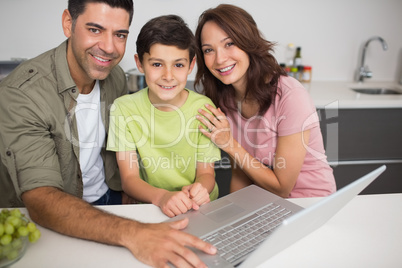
(16, 231)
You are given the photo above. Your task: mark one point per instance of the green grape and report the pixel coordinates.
(14, 227)
(6, 239)
(5, 211)
(23, 231)
(16, 244)
(7, 249)
(9, 228)
(14, 220)
(34, 236)
(16, 213)
(31, 227)
(12, 255)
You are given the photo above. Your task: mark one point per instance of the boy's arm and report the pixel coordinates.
(204, 183)
(131, 181)
(171, 203)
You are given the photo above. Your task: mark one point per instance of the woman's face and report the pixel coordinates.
(223, 58)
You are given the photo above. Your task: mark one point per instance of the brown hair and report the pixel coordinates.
(264, 71)
(169, 30)
(77, 7)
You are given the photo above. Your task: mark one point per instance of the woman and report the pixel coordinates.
(267, 122)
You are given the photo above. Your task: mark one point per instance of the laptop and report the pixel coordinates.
(265, 223)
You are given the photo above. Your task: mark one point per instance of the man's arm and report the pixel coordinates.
(153, 244)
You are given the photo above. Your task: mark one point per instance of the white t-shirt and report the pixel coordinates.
(91, 132)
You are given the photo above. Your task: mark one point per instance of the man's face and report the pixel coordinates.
(97, 41)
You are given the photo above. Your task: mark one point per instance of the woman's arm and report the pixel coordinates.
(288, 160)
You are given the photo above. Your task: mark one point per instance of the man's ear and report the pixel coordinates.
(67, 23)
(138, 62)
(191, 66)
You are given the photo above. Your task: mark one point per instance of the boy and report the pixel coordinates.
(162, 156)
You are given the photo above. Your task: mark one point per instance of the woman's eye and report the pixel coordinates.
(180, 65)
(206, 51)
(230, 44)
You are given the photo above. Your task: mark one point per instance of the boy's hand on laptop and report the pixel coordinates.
(175, 203)
(198, 193)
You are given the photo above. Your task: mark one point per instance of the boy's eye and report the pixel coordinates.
(156, 64)
(180, 65)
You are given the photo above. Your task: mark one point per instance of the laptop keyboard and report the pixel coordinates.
(241, 238)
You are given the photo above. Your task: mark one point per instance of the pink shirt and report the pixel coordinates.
(292, 112)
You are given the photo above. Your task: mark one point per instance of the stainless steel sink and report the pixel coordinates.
(378, 91)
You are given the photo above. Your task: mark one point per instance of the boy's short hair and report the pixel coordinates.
(169, 30)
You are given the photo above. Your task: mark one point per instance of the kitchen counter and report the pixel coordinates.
(337, 94)
(352, 238)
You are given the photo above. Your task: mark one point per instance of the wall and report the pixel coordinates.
(331, 33)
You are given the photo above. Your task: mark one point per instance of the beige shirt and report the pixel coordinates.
(39, 143)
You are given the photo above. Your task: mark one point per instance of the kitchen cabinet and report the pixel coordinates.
(359, 140)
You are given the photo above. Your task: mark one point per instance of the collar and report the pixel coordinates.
(63, 76)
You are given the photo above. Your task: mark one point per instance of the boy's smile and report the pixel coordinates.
(166, 69)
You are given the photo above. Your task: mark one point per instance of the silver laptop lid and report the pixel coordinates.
(306, 221)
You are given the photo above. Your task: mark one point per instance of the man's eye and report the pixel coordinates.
(93, 30)
(122, 36)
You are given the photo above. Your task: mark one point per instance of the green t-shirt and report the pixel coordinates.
(168, 143)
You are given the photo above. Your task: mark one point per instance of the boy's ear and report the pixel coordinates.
(138, 62)
(191, 66)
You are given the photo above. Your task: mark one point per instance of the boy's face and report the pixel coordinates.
(166, 69)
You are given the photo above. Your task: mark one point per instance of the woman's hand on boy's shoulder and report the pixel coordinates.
(215, 126)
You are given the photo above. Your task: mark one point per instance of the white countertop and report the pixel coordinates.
(337, 94)
(365, 233)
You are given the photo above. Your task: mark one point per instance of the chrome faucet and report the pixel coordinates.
(363, 71)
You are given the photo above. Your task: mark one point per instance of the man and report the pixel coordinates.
(52, 134)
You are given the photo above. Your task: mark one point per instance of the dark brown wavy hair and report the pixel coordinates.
(264, 71)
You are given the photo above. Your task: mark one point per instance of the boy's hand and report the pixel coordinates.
(175, 203)
(198, 193)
